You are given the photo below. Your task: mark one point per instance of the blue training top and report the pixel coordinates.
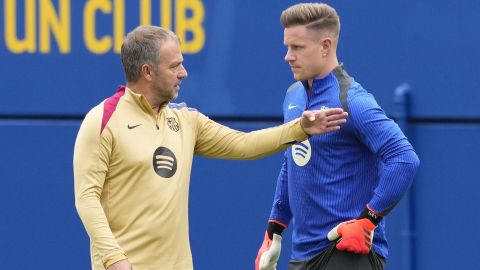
(330, 178)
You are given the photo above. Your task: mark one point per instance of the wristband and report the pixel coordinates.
(371, 215)
(275, 227)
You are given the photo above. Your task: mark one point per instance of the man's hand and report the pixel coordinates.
(121, 265)
(317, 122)
(356, 234)
(269, 252)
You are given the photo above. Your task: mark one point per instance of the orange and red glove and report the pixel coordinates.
(356, 234)
(269, 252)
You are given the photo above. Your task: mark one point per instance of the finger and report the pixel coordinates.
(330, 129)
(337, 116)
(267, 265)
(343, 244)
(333, 234)
(364, 251)
(336, 122)
(264, 260)
(309, 115)
(332, 111)
(340, 246)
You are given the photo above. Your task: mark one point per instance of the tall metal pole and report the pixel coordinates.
(401, 100)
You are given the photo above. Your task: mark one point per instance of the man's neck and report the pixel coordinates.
(152, 100)
(331, 65)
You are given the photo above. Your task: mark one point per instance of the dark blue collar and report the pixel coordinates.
(320, 83)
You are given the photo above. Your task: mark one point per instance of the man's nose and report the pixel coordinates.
(183, 72)
(289, 56)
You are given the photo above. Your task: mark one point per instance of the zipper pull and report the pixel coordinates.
(157, 126)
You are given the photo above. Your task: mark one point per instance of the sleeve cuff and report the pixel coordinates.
(275, 227)
(298, 133)
(113, 258)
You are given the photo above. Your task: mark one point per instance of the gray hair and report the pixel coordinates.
(142, 46)
(315, 16)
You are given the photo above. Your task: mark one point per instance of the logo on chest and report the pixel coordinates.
(164, 162)
(301, 153)
(173, 124)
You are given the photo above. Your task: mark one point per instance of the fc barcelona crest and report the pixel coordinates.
(172, 124)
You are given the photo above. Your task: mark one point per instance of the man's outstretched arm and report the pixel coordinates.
(218, 141)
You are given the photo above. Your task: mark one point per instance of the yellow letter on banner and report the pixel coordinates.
(95, 45)
(13, 43)
(166, 11)
(146, 12)
(192, 24)
(60, 26)
(119, 24)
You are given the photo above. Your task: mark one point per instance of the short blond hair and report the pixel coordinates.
(315, 16)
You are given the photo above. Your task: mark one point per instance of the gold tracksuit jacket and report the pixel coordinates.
(132, 174)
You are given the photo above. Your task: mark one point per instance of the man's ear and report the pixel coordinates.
(146, 72)
(327, 45)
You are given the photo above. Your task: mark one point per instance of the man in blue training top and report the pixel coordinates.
(336, 187)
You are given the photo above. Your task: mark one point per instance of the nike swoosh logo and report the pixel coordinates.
(290, 106)
(134, 126)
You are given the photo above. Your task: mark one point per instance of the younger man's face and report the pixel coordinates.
(305, 53)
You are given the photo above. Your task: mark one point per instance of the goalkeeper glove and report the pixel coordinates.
(269, 252)
(356, 234)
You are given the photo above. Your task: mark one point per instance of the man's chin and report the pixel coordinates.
(298, 77)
